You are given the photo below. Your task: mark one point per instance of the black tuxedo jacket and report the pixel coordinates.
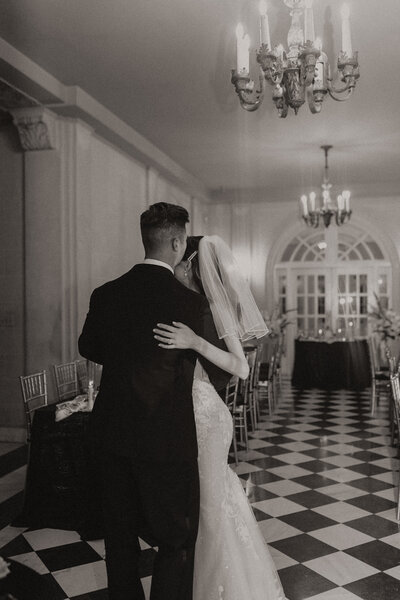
(144, 408)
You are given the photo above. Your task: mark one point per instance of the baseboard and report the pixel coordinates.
(13, 434)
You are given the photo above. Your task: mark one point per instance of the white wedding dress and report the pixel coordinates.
(232, 561)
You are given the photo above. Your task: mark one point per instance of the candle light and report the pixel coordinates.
(320, 69)
(346, 197)
(304, 205)
(340, 202)
(309, 34)
(346, 36)
(312, 201)
(90, 391)
(242, 50)
(264, 24)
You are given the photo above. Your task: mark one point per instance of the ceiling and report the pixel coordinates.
(163, 66)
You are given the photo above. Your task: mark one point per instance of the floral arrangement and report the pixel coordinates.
(385, 321)
(277, 321)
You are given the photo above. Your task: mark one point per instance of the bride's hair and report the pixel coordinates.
(191, 248)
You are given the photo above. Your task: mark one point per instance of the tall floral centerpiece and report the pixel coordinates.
(386, 325)
(385, 321)
(277, 321)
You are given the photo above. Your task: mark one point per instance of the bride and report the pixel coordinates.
(232, 561)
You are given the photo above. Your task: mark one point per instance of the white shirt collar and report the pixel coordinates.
(158, 263)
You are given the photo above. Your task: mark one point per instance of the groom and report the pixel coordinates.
(143, 424)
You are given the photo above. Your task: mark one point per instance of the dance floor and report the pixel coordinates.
(320, 475)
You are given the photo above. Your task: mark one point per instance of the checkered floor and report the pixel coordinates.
(321, 476)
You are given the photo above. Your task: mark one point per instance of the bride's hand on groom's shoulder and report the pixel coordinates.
(175, 336)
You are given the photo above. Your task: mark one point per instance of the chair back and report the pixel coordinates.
(395, 385)
(82, 374)
(34, 395)
(231, 393)
(392, 364)
(372, 356)
(66, 380)
(271, 366)
(252, 360)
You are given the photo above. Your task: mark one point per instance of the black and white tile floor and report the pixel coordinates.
(321, 476)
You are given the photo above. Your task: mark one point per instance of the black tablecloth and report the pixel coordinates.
(62, 490)
(331, 365)
(23, 583)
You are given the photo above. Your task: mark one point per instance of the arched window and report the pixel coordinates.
(330, 277)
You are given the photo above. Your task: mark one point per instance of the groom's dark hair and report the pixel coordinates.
(160, 223)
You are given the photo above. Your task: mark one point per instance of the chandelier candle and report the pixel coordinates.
(328, 209)
(346, 36)
(309, 34)
(242, 51)
(264, 24)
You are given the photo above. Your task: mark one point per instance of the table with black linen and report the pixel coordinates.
(23, 583)
(331, 365)
(62, 489)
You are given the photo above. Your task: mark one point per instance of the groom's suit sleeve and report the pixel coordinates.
(91, 340)
(217, 376)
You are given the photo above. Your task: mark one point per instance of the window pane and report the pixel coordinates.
(363, 326)
(342, 284)
(352, 304)
(300, 284)
(321, 324)
(300, 305)
(299, 253)
(363, 284)
(342, 305)
(352, 283)
(321, 305)
(282, 284)
(321, 284)
(375, 250)
(311, 282)
(384, 300)
(310, 256)
(310, 305)
(282, 304)
(311, 326)
(363, 251)
(341, 324)
(363, 305)
(382, 284)
(300, 326)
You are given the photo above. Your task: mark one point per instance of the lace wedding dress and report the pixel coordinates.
(232, 561)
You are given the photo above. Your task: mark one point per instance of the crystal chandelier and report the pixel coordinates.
(301, 71)
(328, 209)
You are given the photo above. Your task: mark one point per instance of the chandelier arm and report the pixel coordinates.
(333, 94)
(249, 98)
(314, 106)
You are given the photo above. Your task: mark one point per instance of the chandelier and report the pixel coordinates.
(303, 71)
(328, 209)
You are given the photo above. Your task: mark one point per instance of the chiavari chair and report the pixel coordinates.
(34, 395)
(395, 387)
(66, 378)
(238, 416)
(380, 380)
